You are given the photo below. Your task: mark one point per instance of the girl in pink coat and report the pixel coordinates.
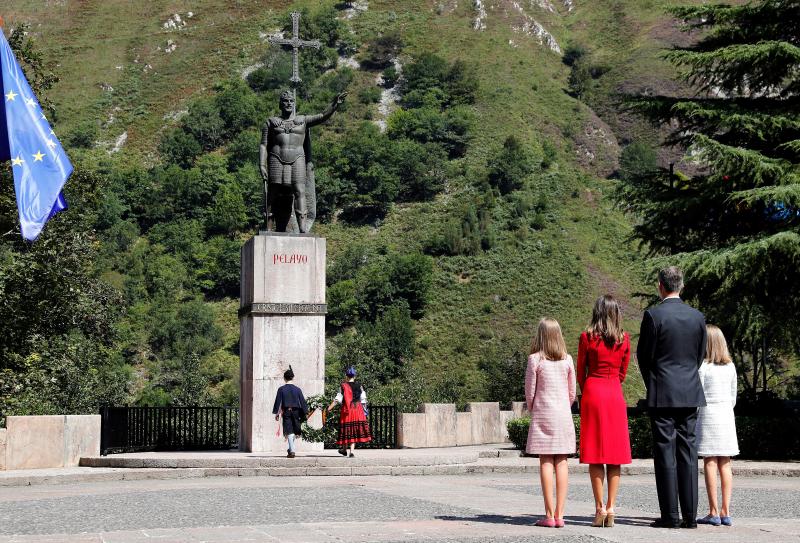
(550, 393)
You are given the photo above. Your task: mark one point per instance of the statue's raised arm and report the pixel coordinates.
(338, 100)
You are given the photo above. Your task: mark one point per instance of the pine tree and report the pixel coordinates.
(734, 227)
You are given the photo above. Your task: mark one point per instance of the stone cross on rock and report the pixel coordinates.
(295, 43)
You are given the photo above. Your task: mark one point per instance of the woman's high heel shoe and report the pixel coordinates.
(609, 520)
(599, 519)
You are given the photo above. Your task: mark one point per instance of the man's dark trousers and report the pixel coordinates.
(675, 459)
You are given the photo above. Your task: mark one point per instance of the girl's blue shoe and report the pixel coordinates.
(711, 520)
(726, 521)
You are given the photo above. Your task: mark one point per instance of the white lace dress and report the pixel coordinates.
(716, 425)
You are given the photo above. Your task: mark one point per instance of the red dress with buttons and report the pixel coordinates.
(604, 418)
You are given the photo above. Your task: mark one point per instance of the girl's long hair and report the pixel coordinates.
(549, 341)
(607, 320)
(716, 346)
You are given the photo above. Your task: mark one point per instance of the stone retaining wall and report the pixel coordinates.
(49, 441)
(439, 425)
(2, 449)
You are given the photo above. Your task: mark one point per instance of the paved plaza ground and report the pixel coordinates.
(493, 507)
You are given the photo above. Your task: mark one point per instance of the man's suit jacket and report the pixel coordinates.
(672, 345)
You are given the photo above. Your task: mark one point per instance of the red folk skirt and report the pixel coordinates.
(604, 423)
(353, 425)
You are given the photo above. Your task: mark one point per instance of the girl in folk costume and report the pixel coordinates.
(549, 394)
(353, 425)
(716, 425)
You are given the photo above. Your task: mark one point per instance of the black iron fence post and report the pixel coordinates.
(105, 429)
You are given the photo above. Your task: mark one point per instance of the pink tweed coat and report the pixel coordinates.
(549, 394)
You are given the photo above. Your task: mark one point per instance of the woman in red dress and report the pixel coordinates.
(603, 355)
(353, 425)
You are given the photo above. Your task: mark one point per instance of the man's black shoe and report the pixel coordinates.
(662, 523)
(691, 524)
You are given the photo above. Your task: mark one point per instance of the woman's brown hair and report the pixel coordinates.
(607, 320)
(549, 341)
(716, 346)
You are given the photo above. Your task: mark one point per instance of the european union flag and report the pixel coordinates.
(38, 161)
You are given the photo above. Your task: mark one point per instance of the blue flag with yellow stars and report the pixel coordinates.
(38, 161)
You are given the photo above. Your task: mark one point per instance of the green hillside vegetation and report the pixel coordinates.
(450, 234)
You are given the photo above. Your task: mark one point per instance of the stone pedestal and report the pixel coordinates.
(282, 322)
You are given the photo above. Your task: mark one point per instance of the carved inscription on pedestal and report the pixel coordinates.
(283, 309)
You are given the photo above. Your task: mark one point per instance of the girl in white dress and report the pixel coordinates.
(716, 426)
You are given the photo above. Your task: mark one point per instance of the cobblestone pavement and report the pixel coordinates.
(448, 509)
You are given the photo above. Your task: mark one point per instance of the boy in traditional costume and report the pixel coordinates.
(290, 404)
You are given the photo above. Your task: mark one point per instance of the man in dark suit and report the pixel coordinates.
(672, 345)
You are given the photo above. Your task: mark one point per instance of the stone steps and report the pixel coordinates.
(240, 461)
(93, 475)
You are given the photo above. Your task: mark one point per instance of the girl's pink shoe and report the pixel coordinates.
(559, 523)
(546, 522)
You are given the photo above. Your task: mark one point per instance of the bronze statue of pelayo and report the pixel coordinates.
(287, 167)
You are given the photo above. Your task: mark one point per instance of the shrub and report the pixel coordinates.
(637, 160)
(461, 83)
(369, 95)
(367, 349)
(363, 163)
(382, 50)
(374, 290)
(347, 263)
(768, 438)
(549, 154)
(390, 77)
(342, 304)
(573, 53)
(274, 74)
(470, 235)
(243, 149)
(219, 268)
(322, 22)
(580, 79)
(504, 368)
(641, 437)
(518, 431)
(178, 147)
(510, 165)
(181, 237)
(421, 168)
(396, 331)
(205, 123)
(412, 277)
(165, 275)
(458, 82)
(428, 124)
(83, 135)
(237, 105)
(189, 329)
(228, 213)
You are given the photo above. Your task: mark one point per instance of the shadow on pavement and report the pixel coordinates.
(520, 520)
(529, 520)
